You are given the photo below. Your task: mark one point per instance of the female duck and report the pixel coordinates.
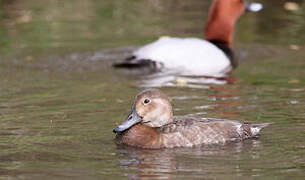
(194, 56)
(151, 125)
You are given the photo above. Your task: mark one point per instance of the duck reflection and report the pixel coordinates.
(173, 79)
(170, 163)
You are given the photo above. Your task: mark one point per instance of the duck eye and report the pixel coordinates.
(146, 101)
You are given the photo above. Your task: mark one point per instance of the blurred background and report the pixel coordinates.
(60, 98)
(41, 26)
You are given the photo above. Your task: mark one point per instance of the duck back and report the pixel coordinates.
(195, 131)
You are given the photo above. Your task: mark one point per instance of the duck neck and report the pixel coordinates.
(221, 22)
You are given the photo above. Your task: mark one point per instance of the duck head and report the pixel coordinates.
(233, 9)
(223, 15)
(151, 108)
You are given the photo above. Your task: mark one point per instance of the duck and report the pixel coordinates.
(212, 56)
(151, 125)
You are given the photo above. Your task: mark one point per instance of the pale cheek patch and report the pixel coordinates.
(158, 114)
(155, 117)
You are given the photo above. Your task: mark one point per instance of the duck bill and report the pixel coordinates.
(253, 7)
(132, 119)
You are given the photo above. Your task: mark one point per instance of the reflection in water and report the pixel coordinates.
(172, 79)
(227, 99)
(148, 79)
(166, 163)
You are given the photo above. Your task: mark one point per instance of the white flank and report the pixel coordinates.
(189, 56)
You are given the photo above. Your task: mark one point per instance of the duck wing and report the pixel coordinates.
(190, 131)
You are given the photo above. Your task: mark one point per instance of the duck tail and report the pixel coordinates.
(255, 128)
(132, 62)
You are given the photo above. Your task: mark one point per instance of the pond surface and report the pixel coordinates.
(60, 98)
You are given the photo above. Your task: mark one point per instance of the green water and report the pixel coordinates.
(60, 98)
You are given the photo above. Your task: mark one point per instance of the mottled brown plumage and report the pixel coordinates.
(151, 125)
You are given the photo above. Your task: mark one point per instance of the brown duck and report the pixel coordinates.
(151, 125)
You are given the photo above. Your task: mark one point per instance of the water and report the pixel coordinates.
(60, 98)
